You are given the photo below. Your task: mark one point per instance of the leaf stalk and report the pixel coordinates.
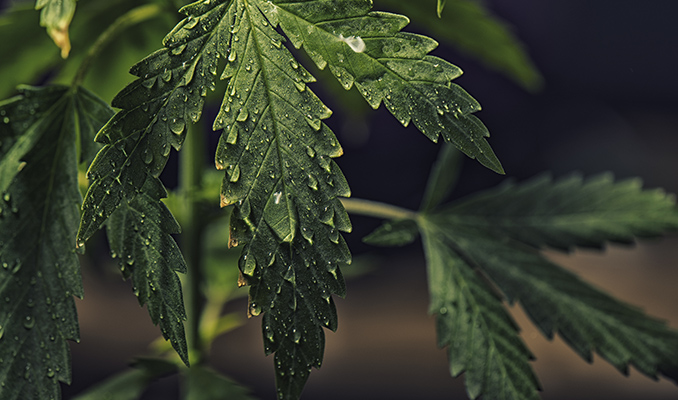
(377, 209)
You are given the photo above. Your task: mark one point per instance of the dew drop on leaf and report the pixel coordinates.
(29, 322)
(235, 174)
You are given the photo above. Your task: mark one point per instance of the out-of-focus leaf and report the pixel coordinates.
(442, 178)
(56, 16)
(394, 233)
(203, 383)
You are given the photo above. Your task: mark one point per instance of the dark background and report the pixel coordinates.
(608, 104)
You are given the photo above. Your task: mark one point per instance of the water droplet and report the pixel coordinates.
(231, 55)
(7, 197)
(191, 22)
(310, 151)
(167, 75)
(356, 43)
(148, 157)
(235, 174)
(297, 335)
(276, 197)
(177, 125)
(29, 322)
(232, 137)
(50, 373)
(250, 264)
(312, 182)
(242, 115)
(294, 64)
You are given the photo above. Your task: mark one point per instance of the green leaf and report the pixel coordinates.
(40, 270)
(203, 383)
(443, 177)
(499, 231)
(139, 235)
(559, 302)
(130, 385)
(56, 16)
(569, 212)
(394, 233)
(476, 31)
(440, 7)
(367, 49)
(481, 338)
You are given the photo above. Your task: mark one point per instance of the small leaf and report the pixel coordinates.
(56, 16)
(203, 383)
(139, 235)
(394, 233)
(39, 215)
(443, 177)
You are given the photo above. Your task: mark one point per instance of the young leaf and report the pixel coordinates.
(38, 221)
(56, 16)
(206, 384)
(481, 338)
(139, 234)
(569, 212)
(498, 231)
(367, 49)
(440, 7)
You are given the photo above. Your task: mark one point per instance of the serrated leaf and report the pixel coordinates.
(478, 32)
(559, 302)
(139, 235)
(367, 49)
(443, 177)
(56, 16)
(499, 231)
(38, 223)
(394, 233)
(481, 337)
(569, 212)
(203, 383)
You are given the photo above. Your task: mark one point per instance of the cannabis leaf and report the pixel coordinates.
(481, 338)
(39, 131)
(477, 32)
(56, 16)
(497, 234)
(139, 234)
(367, 49)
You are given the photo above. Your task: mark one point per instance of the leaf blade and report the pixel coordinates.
(38, 227)
(367, 49)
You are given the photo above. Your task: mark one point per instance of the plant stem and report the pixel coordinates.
(191, 165)
(377, 209)
(132, 17)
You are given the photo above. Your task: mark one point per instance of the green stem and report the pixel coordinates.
(191, 166)
(377, 209)
(132, 17)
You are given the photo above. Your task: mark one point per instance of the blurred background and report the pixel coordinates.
(604, 99)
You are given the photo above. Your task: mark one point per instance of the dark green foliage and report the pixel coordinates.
(481, 338)
(203, 383)
(39, 157)
(367, 49)
(496, 234)
(139, 234)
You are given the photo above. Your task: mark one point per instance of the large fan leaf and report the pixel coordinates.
(139, 234)
(569, 212)
(39, 130)
(481, 338)
(367, 49)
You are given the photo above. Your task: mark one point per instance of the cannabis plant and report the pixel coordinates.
(243, 67)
